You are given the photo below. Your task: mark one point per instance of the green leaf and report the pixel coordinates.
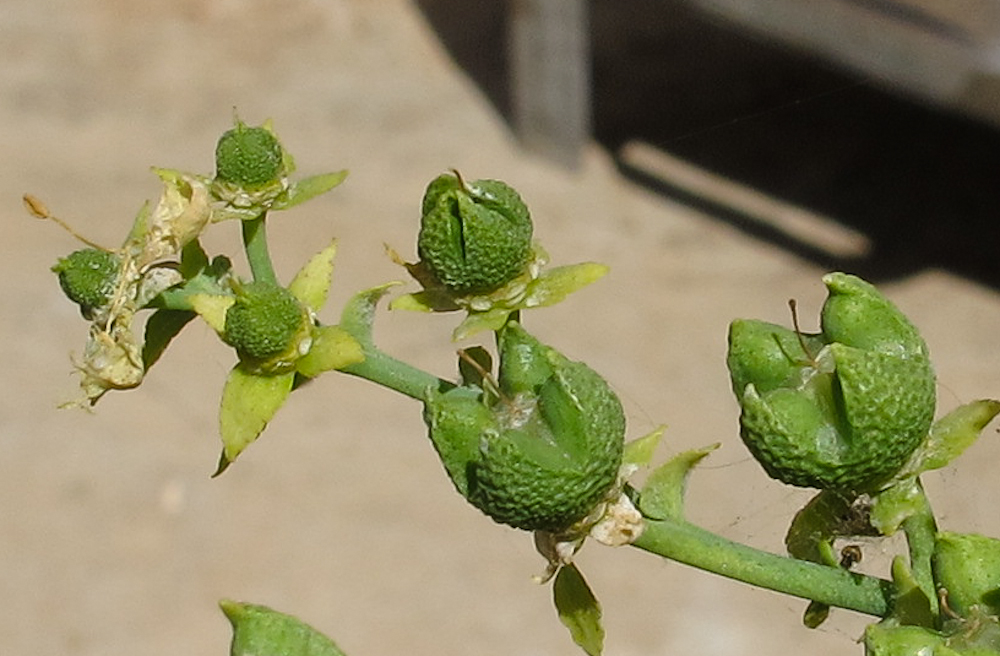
(428, 300)
(911, 604)
(578, 609)
(359, 313)
(249, 401)
(332, 348)
(161, 327)
(663, 495)
(553, 285)
(194, 259)
(312, 283)
(260, 631)
(952, 434)
(639, 452)
(308, 188)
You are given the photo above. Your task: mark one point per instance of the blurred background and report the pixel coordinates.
(719, 160)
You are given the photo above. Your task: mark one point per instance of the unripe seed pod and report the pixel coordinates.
(967, 569)
(841, 410)
(474, 237)
(88, 277)
(542, 458)
(250, 157)
(266, 323)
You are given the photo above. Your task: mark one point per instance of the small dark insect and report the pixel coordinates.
(850, 556)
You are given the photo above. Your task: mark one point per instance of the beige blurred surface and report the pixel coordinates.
(113, 538)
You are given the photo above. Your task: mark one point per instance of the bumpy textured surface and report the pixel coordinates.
(263, 321)
(847, 415)
(543, 459)
(88, 277)
(247, 156)
(473, 237)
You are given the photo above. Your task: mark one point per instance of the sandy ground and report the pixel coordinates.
(113, 538)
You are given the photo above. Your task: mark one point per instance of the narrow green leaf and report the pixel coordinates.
(578, 609)
(663, 495)
(952, 434)
(312, 283)
(161, 327)
(553, 285)
(332, 348)
(249, 401)
(308, 188)
(639, 452)
(260, 631)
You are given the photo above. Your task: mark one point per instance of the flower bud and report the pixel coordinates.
(249, 157)
(88, 277)
(268, 326)
(474, 237)
(545, 453)
(843, 409)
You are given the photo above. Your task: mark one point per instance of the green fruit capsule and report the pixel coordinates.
(967, 570)
(89, 277)
(843, 409)
(544, 454)
(267, 326)
(474, 237)
(249, 157)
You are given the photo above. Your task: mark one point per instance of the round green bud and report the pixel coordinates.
(842, 410)
(265, 322)
(474, 237)
(88, 277)
(248, 156)
(542, 456)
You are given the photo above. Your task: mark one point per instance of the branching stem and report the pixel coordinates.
(689, 544)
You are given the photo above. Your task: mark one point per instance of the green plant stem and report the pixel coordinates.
(689, 544)
(387, 371)
(255, 245)
(921, 530)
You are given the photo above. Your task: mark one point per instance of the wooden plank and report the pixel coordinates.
(549, 55)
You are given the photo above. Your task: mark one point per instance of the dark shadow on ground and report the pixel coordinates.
(923, 184)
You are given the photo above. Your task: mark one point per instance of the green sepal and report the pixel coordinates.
(662, 496)
(578, 609)
(249, 401)
(332, 348)
(260, 631)
(308, 188)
